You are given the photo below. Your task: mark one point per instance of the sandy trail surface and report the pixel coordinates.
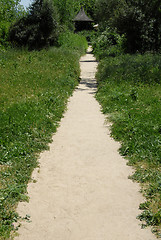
(82, 190)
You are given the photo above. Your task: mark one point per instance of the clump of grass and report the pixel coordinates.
(34, 90)
(129, 90)
(73, 41)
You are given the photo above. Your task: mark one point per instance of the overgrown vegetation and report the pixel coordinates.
(139, 21)
(10, 11)
(107, 43)
(34, 89)
(129, 90)
(72, 41)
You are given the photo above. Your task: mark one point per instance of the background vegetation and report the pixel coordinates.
(139, 21)
(10, 11)
(41, 24)
(38, 28)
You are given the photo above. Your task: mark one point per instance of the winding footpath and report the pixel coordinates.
(82, 190)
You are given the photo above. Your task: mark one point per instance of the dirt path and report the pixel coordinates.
(82, 190)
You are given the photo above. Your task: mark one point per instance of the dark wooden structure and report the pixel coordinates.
(82, 21)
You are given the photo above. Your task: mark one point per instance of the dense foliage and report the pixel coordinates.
(34, 89)
(41, 23)
(129, 90)
(139, 21)
(38, 28)
(9, 12)
(108, 43)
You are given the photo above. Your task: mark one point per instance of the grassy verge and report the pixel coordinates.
(34, 88)
(129, 90)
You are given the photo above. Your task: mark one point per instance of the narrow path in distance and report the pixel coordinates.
(82, 190)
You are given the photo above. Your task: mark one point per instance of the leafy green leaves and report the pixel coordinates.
(39, 28)
(108, 43)
(68, 9)
(138, 20)
(9, 12)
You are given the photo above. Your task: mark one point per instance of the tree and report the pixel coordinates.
(9, 12)
(140, 20)
(105, 11)
(38, 28)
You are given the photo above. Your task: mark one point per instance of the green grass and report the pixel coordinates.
(129, 90)
(34, 89)
(73, 41)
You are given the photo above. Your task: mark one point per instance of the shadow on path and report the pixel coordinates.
(88, 61)
(87, 84)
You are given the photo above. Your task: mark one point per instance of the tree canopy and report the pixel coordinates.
(38, 28)
(68, 9)
(10, 10)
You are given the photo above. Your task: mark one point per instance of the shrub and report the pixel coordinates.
(108, 43)
(89, 35)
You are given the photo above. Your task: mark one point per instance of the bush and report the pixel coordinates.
(108, 43)
(88, 34)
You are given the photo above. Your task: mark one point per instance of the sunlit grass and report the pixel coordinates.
(129, 90)
(34, 90)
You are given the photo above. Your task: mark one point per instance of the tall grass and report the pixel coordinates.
(73, 41)
(129, 90)
(34, 89)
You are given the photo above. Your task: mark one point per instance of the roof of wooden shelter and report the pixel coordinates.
(82, 17)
